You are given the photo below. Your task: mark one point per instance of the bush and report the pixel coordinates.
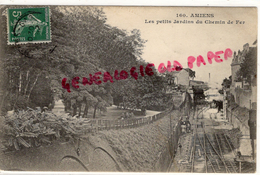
(34, 128)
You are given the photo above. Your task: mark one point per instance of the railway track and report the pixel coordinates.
(207, 152)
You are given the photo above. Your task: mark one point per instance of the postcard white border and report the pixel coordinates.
(208, 3)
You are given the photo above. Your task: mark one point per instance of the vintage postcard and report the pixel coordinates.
(128, 89)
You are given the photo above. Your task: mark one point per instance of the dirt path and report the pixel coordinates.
(114, 113)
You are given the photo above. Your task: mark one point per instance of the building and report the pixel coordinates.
(180, 77)
(243, 92)
(199, 84)
(241, 100)
(177, 80)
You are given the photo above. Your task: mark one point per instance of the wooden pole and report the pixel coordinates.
(205, 153)
(239, 166)
(191, 153)
(171, 128)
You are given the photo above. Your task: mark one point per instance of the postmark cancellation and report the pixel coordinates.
(28, 25)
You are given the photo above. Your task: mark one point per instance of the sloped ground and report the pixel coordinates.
(138, 148)
(134, 149)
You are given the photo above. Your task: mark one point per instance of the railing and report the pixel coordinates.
(232, 118)
(167, 154)
(101, 124)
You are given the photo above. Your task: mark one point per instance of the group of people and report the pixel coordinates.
(126, 115)
(185, 125)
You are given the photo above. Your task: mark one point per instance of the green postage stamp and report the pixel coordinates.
(28, 25)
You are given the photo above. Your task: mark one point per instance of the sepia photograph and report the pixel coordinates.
(128, 89)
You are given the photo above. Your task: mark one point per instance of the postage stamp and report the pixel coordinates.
(28, 25)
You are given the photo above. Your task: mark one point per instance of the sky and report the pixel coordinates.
(172, 41)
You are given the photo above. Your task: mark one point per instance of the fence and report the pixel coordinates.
(166, 156)
(101, 124)
(237, 122)
(168, 153)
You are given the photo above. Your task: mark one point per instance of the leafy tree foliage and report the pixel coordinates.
(227, 82)
(147, 92)
(248, 68)
(82, 44)
(191, 73)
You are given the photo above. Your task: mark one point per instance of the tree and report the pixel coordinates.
(82, 44)
(147, 92)
(227, 82)
(248, 68)
(191, 73)
(104, 48)
(24, 65)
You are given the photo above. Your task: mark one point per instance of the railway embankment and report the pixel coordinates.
(238, 117)
(142, 149)
(136, 149)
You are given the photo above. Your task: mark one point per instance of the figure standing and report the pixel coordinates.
(188, 125)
